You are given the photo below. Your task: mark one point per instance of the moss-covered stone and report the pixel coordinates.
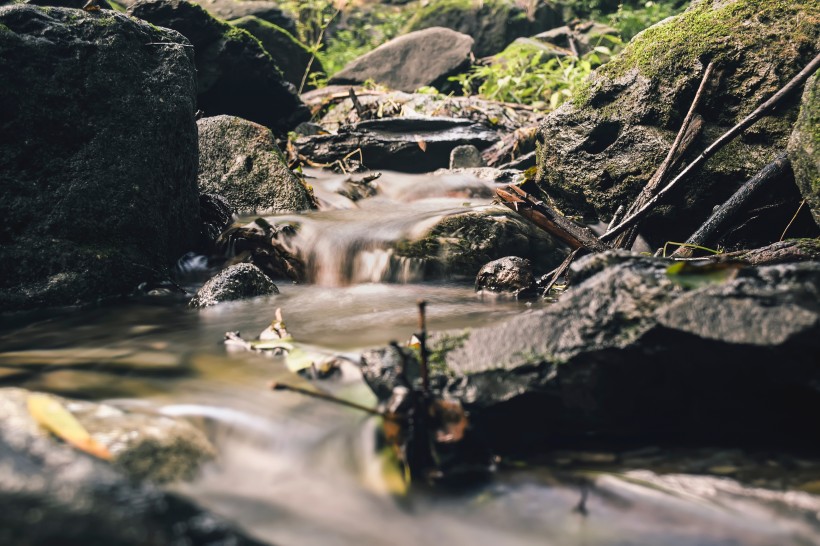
(599, 151)
(804, 147)
(493, 24)
(290, 55)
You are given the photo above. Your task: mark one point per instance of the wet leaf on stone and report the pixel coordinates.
(690, 275)
(49, 413)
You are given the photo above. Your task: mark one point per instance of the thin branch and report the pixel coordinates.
(717, 222)
(425, 370)
(783, 235)
(330, 398)
(724, 139)
(675, 151)
(561, 269)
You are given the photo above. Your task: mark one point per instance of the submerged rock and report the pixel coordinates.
(235, 75)
(804, 147)
(417, 144)
(235, 282)
(424, 58)
(51, 493)
(599, 151)
(144, 446)
(97, 151)
(460, 244)
(511, 275)
(289, 54)
(638, 350)
(493, 24)
(240, 161)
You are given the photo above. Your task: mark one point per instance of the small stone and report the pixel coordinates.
(465, 157)
(511, 275)
(236, 282)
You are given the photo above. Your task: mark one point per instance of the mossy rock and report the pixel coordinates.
(290, 55)
(493, 24)
(804, 147)
(460, 244)
(599, 151)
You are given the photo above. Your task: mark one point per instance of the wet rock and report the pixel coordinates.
(804, 147)
(87, 102)
(584, 36)
(417, 144)
(144, 446)
(504, 118)
(424, 58)
(490, 174)
(602, 148)
(77, 4)
(240, 161)
(235, 282)
(289, 54)
(511, 275)
(635, 350)
(235, 75)
(460, 244)
(51, 493)
(493, 24)
(217, 216)
(465, 157)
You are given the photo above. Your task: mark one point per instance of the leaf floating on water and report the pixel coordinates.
(51, 415)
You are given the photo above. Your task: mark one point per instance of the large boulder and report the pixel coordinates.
(804, 147)
(235, 75)
(599, 151)
(235, 9)
(52, 493)
(423, 58)
(98, 154)
(289, 54)
(239, 160)
(493, 24)
(641, 350)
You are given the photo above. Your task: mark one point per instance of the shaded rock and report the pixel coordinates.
(376, 105)
(635, 350)
(584, 36)
(235, 75)
(289, 54)
(493, 24)
(77, 4)
(261, 9)
(460, 244)
(804, 147)
(411, 61)
(240, 161)
(144, 446)
(417, 144)
(235, 282)
(511, 275)
(51, 493)
(97, 154)
(217, 216)
(465, 157)
(601, 149)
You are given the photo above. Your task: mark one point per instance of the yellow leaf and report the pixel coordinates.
(50, 414)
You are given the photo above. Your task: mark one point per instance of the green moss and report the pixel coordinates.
(441, 346)
(702, 34)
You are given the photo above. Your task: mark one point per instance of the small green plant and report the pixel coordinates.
(527, 74)
(631, 20)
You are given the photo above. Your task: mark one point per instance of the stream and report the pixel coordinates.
(295, 470)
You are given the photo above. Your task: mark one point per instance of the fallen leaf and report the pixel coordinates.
(51, 415)
(421, 143)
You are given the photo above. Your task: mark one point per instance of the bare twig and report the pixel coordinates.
(783, 235)
(791, 250)
(425, 371)
(713, 148)
(360, 111)
(683, 139)
(712, 227)
(330, 398)
(561, 269)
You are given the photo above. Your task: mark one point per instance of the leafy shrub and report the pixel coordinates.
(631, 20)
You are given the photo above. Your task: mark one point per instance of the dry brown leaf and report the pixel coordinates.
(51, 414)
(421, 143)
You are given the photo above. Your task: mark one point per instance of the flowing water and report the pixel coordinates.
(294, 470)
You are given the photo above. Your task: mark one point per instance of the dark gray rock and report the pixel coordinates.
(235, 75)
(51, 493)
(804, 147)
(584, 36)
(290, 55)
(465, 157)
(217, 216)
(240, 161)
(460, 244)
(235, 282)
(77, 4)
(411, 61)
(635, 350)
(510, 275)
(262, 9)
(417, 144)
(492, 23)
(602, 148)
(97, 154)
